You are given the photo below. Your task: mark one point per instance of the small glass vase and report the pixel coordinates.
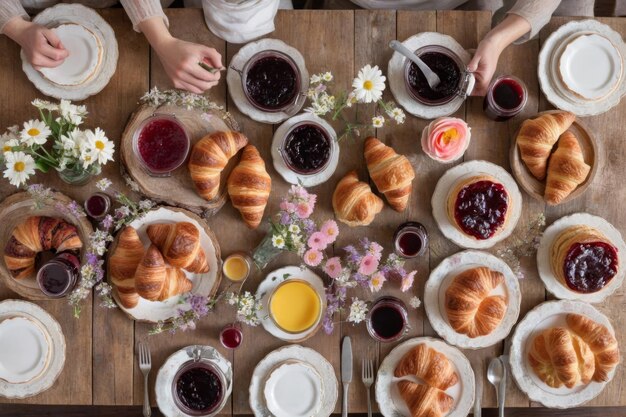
(77, 175)
(265, 251)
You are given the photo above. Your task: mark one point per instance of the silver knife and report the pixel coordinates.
(346, 372)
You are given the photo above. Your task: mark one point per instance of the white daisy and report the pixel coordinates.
(369, 84)
(87, 157)
(315, 78)
(44, 105)
(19, 166)
(35, 132)
(294, 228)
(398, 115)
(378, 121)
(72, 112)
(327, 76)
(101, 147)
(278, 241)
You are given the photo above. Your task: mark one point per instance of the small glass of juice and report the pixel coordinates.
(237, 266)
(506, 97)
(231, 336)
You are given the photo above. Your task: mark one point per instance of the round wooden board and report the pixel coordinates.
(14, 210)
(177, 189)
(536, 188)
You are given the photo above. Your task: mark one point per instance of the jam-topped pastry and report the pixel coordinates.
(271, 82)
(448, 71)
(479, 206)
(583, 259)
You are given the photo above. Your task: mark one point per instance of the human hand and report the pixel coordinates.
(483, 65)
(42, 47)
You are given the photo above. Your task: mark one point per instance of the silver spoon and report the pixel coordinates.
(432, 78)
(496, 374)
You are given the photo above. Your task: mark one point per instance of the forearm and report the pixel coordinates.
(11, 11)
(156, 32)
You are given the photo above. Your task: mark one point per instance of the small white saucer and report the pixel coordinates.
(293, 389)
(544, 253)
(24, 350)
(440, 279)
(235, 88)
(271, 281)
(544, 316)
(439, 202)
(279, 163)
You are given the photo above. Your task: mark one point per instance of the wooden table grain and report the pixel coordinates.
(101, 368)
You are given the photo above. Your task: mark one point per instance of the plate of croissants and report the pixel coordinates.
(425, 377)
(472, 299)
(563, 353)
(157, 259)
(579, 258)
(554, 157)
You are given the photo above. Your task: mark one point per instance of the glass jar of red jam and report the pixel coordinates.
(231, 336)
(97, 206)
(387, 320)
(199, 388)
(57, 277)
(161, 144)
(506, 97)
(410, 240)
(307, 148)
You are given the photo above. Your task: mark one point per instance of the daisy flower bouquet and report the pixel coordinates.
(55, 141)
(367, 87)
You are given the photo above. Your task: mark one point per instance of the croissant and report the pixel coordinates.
(567, 169)
(559, 357)
(601, 342)
(425, 401)
(180, 245)
(431, 366)
(249, 186)
(150, 274)
(175, 283)
(470, 308)
(123, 264)
(392, 173)
(354, 202)
(209, 157)
(537, 137)
(37, 234)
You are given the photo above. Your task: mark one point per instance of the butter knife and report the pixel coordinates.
(346, 372)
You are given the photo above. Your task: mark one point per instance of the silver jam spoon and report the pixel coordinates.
(496, 374)
(432, 78)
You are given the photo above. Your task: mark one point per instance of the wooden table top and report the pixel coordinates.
(101, 367)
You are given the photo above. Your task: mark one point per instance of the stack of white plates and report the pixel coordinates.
(581, 67)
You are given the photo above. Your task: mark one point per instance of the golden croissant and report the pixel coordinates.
(180, 245)
(425, 401)
(175, 283)
(566, 170)
(470, 308)
(537, 137)
(429, 365)
(392, 173)
(155, 281)
(209, 158)
(354, 202)
(123, 263)
(249, 186)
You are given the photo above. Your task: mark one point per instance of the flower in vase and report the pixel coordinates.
(358, 311)
(44, 105)
(294, 228)
(278, 241)
(378, 121)
(376, 281)
(304, 210)
(333, 267)
(407, 281)
(376, 250)
(330, 230)
(313, 257)
(102, 148)
(35, 132)
(327, 76)
(287, 206)
(9, 144)
(368, 265)
(19, 167)
(87, 157)
(318, 241)
(369, 84)
(73, 113)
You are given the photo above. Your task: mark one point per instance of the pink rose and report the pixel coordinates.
(330, 230)
(333, 267)
(313, 257)
(369, 265)
(318, 241)
(446, 139)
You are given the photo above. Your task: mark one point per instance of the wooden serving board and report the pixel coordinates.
(16, 209)
(536, 188)
(177, 189)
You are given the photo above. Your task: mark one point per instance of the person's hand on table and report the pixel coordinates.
(42, 47)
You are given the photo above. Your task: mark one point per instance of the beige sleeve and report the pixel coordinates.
(140, 10)
(10, 9)
(536, 12)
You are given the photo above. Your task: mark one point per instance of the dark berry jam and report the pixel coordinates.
(307, 149)
(589, 267)
(97, 205)
(163, 145)
(199, 389)
(508, 94)
(231, 337)
(506, 98)
(387, 321)
(58, 276)
(272, 82)
(480, 208)
(445, 67)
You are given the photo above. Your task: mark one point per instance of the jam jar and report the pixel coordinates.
(307, 148)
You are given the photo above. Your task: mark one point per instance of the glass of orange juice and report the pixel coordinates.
(295, 306)
(237, 266)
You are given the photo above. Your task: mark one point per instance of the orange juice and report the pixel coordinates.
(295, 306)
(236, 267)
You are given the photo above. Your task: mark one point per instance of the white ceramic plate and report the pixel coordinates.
(388, 396)
(308, 356)
(154, 311)
(439, 202)
(395, 70)
(440, 279)
(17, 312)
(85, 53)
(167, 372)
(552, 283)
(293, 389)
(542, 317)
(90, 20)
(235, 88)
(271, 281)
(279, 163)
(24, 350)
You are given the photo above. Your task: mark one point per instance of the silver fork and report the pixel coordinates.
(145, 364)
(367, 375)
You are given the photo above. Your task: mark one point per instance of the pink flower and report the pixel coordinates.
(287, 206)
(369, 264)
(330, 230)
(377, 281)
(376, 250)
(333, 267)
(312, 199)
(304, 210)
(318, 241)
(313, 257)
(407, 281)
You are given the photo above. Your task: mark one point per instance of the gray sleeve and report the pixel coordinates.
(140, 10)
(10, 9)
(536, 12)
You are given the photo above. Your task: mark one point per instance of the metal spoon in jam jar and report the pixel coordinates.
(431, 77)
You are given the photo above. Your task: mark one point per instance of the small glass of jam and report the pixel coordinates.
(271, 81)
(161, 144)
(199, 388)
(410, 240)
(388, 320)
(231, 336)
(506, 97)
(307, 148)
(97, 206)
(57, 277)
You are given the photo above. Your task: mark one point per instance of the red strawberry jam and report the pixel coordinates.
(588, 267)
(163, 145)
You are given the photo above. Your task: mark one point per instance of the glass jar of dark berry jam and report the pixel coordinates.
(506, 97)
(199, 388)
(57, 277)
(97, 206)
(307, 148)
(388, 320)
(410, 240)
